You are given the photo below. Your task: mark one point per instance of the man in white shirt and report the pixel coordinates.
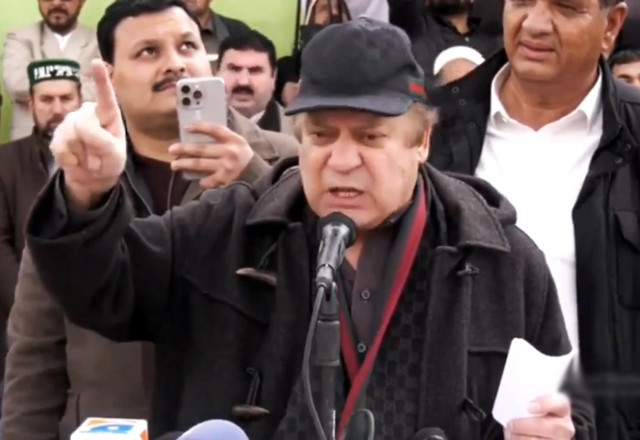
(546, 123)
(57, 35)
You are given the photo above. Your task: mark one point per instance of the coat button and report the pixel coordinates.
(365, 295)
(462, 102)
(618, 160)
(361, 348)
(455, 89)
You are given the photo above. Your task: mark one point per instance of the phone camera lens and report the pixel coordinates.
(185, 89)
(197, 94)
(186, 102)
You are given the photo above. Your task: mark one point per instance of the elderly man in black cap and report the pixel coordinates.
(25, 164)
(437, 284)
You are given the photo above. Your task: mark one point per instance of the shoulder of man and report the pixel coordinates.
(15, 158)
(88, 33)
(283, 176)
(12, 151)
(490, 216)
(29, 32)
(233, 25)
(628, 98)
(285, 144)
(270, 146)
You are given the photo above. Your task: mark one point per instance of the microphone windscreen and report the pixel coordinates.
(215, 430)
(338, 219)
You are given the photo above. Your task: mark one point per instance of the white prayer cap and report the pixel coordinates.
(456, 53)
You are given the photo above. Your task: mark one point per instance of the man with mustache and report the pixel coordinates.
(27, 163)
(248, 67)
(546, 122)
(57, 35)
(57, 373)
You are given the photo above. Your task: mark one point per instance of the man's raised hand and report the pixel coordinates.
(90, 145)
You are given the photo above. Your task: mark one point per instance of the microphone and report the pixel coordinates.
(336, 233)
(430, 434)
(215, 430)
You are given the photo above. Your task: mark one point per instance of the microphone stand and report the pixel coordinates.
(327, 349)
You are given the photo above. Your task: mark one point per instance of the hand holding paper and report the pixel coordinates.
(528, 403)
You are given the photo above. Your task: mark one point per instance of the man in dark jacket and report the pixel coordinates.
(550, 128)
(436, 25)
(439, 280)
(214, 28)
(57, 373)
(27, 163)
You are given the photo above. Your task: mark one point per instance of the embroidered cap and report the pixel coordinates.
(363, 64)
(52, 69)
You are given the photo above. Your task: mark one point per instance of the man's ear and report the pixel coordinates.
(109, 70)
(616, 16)
(424, 146)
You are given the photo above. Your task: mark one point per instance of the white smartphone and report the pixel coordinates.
(200, 100)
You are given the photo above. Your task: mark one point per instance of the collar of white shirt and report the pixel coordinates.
(589, 108)
(63, 40)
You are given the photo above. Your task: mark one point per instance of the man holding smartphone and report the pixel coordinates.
(58, 373)
(437, 284)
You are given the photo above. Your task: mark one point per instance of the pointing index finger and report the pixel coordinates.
(106, 104)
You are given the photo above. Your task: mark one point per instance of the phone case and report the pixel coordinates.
(200, 100)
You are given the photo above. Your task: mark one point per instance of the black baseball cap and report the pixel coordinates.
(363, 64)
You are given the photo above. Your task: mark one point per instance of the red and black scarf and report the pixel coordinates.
(386, 380)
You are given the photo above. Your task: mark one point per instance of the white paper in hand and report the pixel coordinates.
(528, 375)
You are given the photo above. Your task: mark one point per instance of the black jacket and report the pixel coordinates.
(408, 15)
(23, 173)
(234, 27)
(606, 220)
(431, 34)
(235, 293)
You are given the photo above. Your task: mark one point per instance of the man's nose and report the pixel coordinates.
(175, 62)
(244, 77)
(538, 19)
(345, 155)
(56, 107)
